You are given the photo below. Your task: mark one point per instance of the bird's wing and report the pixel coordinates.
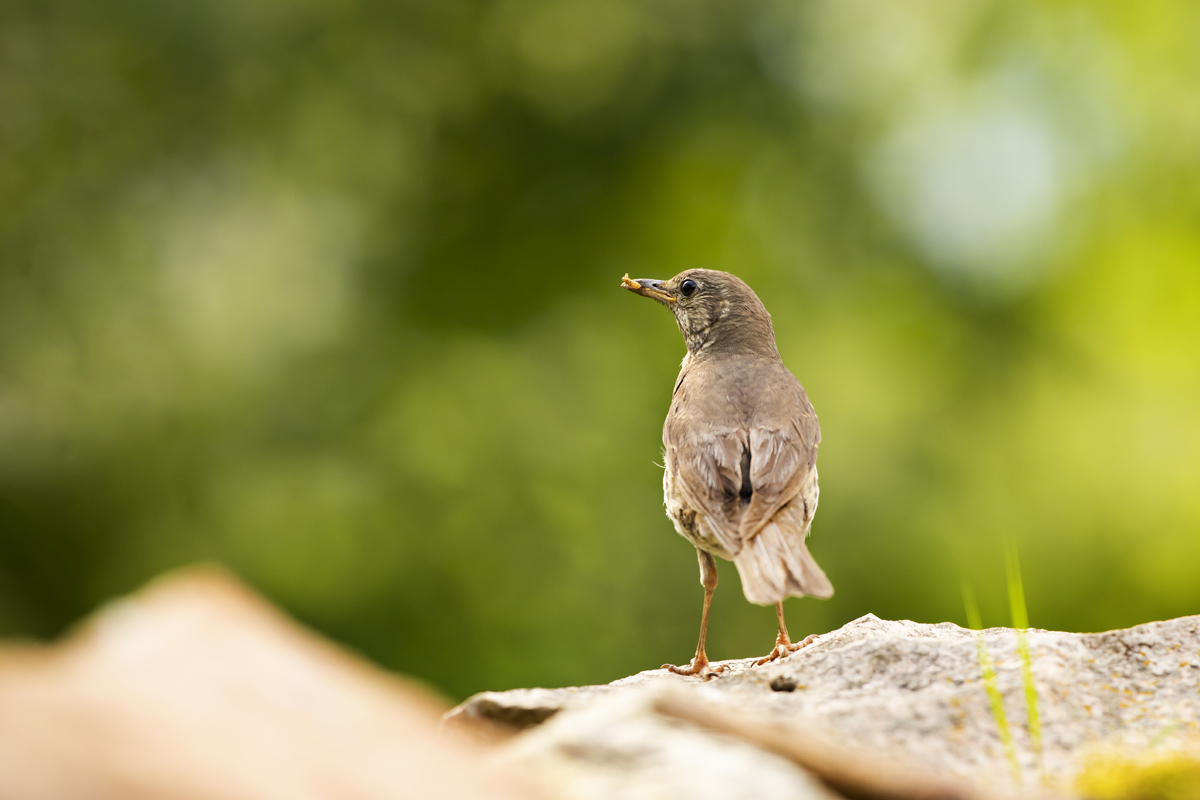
(781, 460)
(709, 460)
(707, 467)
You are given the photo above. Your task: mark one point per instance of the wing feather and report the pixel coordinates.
(708, 470)
(780, 464)
(707, 461)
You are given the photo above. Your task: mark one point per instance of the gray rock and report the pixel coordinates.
(911, 694)
(524, 708)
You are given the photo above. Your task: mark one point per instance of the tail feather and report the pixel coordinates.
(776, 564)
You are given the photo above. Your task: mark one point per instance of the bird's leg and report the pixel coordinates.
(708, 579)
(783, 643)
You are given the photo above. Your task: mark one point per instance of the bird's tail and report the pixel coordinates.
(776, 564)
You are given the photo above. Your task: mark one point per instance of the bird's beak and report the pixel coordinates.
(647, 288)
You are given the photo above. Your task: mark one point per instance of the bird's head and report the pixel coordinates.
(716, 312)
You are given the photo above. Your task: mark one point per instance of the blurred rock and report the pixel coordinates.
(876, 709)
(196, 688)
(624, 748)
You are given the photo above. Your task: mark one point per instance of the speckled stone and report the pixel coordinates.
(914, 691)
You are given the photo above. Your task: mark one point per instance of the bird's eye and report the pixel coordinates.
(688, 288)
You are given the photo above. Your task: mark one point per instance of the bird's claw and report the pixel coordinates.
(780, 651)
(783, 648)
(699, 666)
(812, 637)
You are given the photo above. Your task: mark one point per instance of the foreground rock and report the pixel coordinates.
(876, 709)
(197, 689)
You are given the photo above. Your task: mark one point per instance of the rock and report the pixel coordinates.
(621, 748)
(197, 689)
(519, 709)
(900, 699)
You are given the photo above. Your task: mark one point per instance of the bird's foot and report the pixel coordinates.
(700, 666)
(781, 650)
(812, 637)
(784, 647)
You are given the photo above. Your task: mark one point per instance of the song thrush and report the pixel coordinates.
(740, 448)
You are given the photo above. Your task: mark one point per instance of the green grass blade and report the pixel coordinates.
(990, 685)
(1016, 590)
(1020, 620)
(1031, 696)
(997, 702)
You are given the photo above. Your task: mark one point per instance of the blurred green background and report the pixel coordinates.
(327, 291)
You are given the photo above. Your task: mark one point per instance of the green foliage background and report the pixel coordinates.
(327, 291)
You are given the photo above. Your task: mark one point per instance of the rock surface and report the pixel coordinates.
(902, 693)
(195, 688)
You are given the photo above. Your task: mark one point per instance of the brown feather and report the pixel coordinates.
(736, 407)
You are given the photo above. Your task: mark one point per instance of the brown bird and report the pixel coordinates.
(740, 448)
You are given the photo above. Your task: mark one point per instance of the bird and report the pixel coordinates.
(739, 450)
